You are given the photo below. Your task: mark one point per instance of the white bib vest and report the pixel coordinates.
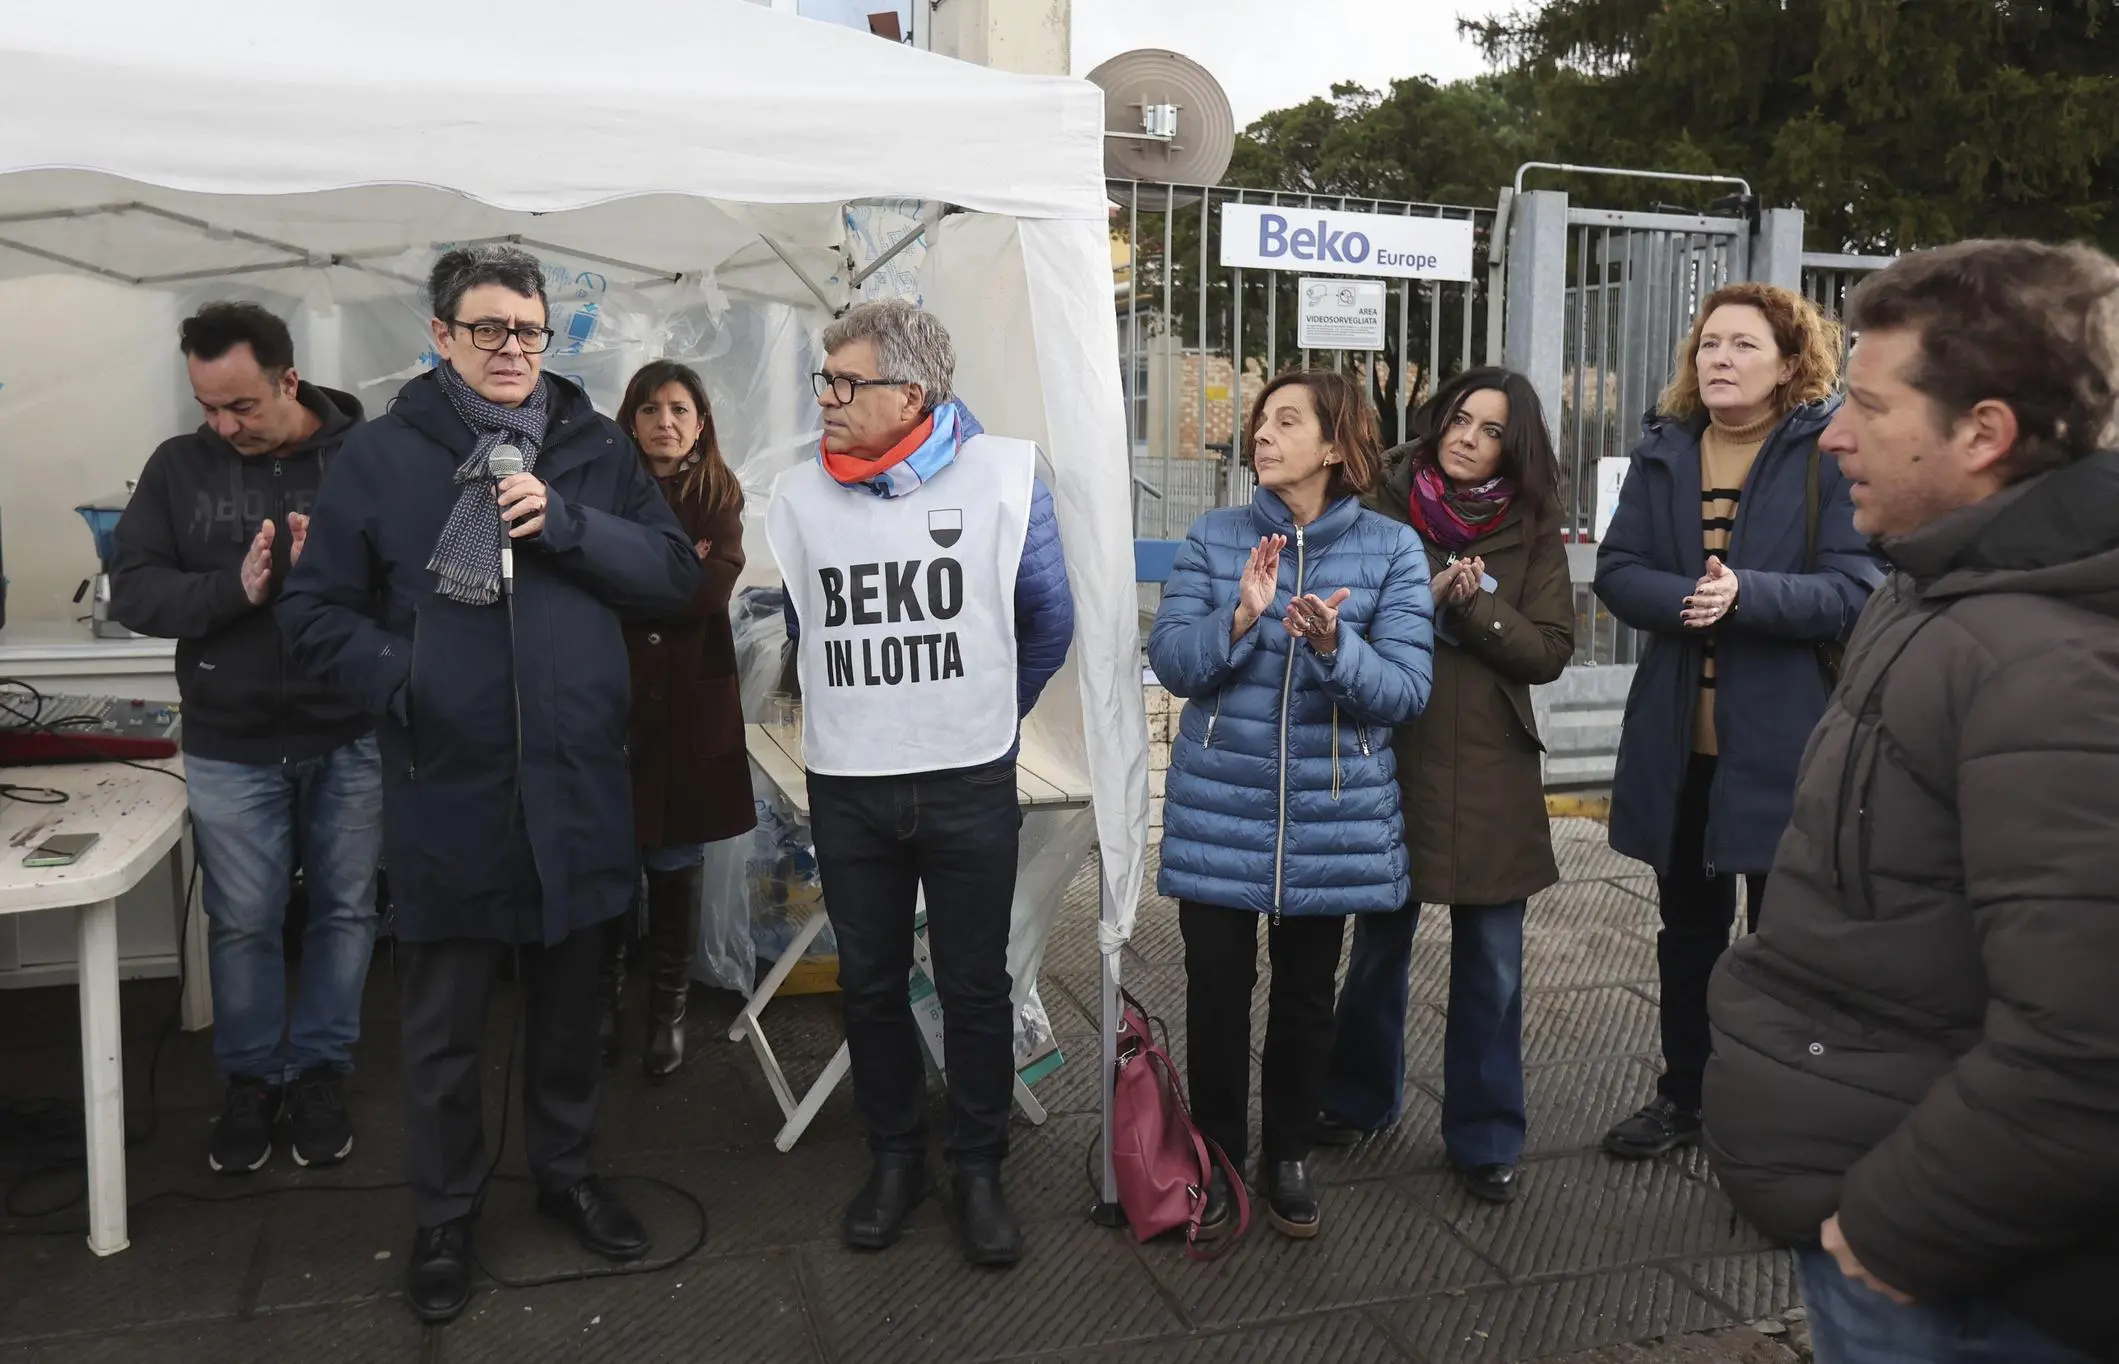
(907, 611)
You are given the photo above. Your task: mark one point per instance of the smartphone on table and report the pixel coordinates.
(60, 850)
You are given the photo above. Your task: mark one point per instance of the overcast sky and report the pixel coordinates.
(1262, 55)
(1267, 57)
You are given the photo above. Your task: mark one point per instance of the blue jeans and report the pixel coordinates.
(1483, 1119)
(1850, 1324)
(247, 821)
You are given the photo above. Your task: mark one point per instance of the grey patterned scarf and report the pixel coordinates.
(467, 557)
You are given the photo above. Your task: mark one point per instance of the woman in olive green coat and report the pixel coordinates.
(1480, 485)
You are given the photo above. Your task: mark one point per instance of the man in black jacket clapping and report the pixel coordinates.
(277, 764)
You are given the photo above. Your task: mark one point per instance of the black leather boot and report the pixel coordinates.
(876, 1217)
(610, 988)
(988, 1232)
(1291, 1200)
(1218, 1218)
(672, 915)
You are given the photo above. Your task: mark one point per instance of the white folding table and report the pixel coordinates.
(139, 816)
(1040, 784)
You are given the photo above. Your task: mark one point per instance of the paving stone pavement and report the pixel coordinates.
(292, 1265)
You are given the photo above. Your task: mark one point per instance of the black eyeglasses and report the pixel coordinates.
(845, 386)
(494, 335)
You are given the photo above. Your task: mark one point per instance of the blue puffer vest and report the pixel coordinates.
(1283, 794)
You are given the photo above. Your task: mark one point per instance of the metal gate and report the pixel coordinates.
(1599, 301)
(1198, 340)
(1829, 280)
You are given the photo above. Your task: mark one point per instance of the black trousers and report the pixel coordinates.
(1221, 970)
(881, 842)
(1698, 912)
(446, 989)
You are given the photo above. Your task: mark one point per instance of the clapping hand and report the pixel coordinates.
(1317, 620)
(1713, 597)
(1260, 583)
(1457, 586)
(257, 566)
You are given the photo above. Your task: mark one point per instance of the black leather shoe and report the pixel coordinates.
(1659, 1128)
(876, 1217)
(1219, 1217)
(605, 1225)
(1490, 1183)
(1333, 1131)
(989, 1232)
(438, 1276)
(1291, 1201)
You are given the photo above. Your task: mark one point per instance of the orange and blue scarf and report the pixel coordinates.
(927, 450)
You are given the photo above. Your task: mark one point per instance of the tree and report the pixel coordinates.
(1893, 125)
(1419, 141)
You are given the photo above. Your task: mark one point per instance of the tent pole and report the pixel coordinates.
(26, 249)
(830, 306)
(517, 239)
(929, 216)
(1107, 1212)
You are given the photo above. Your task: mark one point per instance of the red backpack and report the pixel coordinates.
(1161, 1159)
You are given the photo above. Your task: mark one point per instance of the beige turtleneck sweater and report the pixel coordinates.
(1726, 456)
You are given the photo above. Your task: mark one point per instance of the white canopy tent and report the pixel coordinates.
(706, 176)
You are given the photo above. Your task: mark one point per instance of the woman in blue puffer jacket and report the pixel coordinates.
(1299, 628)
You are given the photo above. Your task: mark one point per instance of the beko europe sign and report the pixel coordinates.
(1320, 241)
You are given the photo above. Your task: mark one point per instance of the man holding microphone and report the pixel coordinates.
(475, 611)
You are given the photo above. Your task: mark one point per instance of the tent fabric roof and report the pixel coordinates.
(721, 99)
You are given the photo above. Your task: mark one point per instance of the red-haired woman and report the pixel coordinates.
(1734, 552)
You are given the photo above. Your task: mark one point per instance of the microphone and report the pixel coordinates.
(504, 462)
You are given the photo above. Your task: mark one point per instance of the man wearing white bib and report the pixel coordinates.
(928, 605)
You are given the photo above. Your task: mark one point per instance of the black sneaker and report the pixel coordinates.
(318, 1130)
(1656, 1130)
(242, 1139)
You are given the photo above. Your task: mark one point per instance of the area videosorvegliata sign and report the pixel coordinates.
(1323, 241)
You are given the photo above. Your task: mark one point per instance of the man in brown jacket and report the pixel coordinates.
(1916, 1071)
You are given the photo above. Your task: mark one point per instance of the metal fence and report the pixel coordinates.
(1179, 492)
(1636, 280)
(1829, 280)
(1197, 338)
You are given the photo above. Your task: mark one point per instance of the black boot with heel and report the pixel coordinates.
(672, 918)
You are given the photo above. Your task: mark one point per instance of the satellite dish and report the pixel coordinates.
(1166, 121)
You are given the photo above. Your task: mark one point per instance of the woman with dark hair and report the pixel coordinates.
(1298, 629)
(1734, 552)
(691, 775)
(1479, 483)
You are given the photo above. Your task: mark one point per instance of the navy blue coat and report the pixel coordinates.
(1770, 691)
(493, 829)
(1283, 794)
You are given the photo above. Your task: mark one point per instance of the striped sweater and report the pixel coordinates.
(1726, 456)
